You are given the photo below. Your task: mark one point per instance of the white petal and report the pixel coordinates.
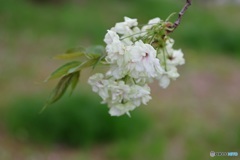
(164, 81)
(115, 112)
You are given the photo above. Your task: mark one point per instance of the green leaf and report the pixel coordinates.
(85, 64)
(70, 55)
(76, 49)
(74, 81)
(78, 52)
(59, 90)
(98, 61)
(95, 52)
(63, 70)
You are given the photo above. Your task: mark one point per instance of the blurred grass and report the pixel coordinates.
(203, 28)
(196, 114)
(77, 121)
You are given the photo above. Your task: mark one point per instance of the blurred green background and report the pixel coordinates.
(196, 114)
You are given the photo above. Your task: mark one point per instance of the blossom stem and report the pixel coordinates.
(134, 82)
(152, 38)
(165, 58)
(132, 35)
(145, 37)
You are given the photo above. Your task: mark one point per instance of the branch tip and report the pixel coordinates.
(180, 14)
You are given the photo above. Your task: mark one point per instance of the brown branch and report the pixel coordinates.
(180, 14)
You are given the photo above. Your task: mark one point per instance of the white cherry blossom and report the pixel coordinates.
(140, 94)
(125, 28)
(119, 109)
(143, 61)
(134, 63)
(99, 85)
(151, 23)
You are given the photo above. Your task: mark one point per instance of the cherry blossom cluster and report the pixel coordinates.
(137, 56)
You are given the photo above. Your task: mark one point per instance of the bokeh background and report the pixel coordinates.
(196, 114)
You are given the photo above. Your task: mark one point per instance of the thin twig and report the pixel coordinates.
(180, 14)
